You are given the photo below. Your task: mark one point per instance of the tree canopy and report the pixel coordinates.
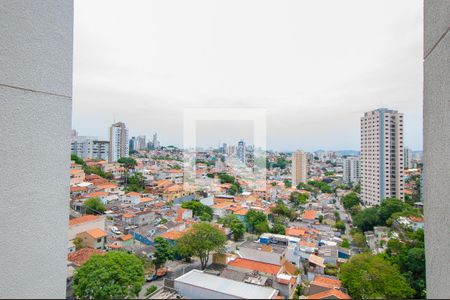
(368, 276)
(128, 162)
(350, 200)
(94, 206)
(109, 276)
(201, 240)
(236, 226)
(163, 251)
(204, 212)
(297, 199)
(257, 221)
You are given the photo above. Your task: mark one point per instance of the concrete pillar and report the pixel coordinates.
(35, 121)
(436, 115)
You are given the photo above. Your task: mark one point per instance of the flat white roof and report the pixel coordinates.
(226, 286)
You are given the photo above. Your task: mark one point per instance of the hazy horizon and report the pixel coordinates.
(316, 67)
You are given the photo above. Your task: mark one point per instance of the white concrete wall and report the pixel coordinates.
(437, 146)
(35, 122)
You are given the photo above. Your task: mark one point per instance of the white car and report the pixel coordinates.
(115, 230)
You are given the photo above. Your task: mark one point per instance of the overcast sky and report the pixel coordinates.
(316, 66)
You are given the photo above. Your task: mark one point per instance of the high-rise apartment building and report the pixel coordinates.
(118, 142)
(351, 170)
(155, 141)
(89, 147)
(408, 158)
(299, 167)
(240, 151)
(141, 142)
(381, 156)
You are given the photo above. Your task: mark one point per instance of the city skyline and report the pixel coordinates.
(315, 84)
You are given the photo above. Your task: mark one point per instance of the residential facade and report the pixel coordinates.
(381, 156)
(118, 141)
(299, 168)
(351, 170)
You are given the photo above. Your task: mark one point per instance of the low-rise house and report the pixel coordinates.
(76, 176)
(85, 223)
(81, 256)
(309, 216)
(93, 238)
(201, 285)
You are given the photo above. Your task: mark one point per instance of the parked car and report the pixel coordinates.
(155, 275)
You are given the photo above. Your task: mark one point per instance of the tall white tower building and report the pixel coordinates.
(299, 168)
(381, 156)
(118, 141)
(351, 170)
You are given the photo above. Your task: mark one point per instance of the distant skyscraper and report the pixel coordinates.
(118, 142)
(156, 144)
(408, 158)
(351, 170)
(90, 147)
(381, 156)
(224, 148)
(133, 144)
(240, 151)
(141, 142)
(299, 167)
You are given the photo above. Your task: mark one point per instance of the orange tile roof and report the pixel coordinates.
(76, 171)
(255, 266)
(307, 244)
(78, 188)
(146, 199)
(81, 256)
(133, 194)
(309, 214)
(96, 233)
(83, 219)
(416, 219)
(175, 188)
(295, 231)
(222, 205)
(326, 282)
(107, 186)
(126, 237)
(127, 215)
(241, 212)
(330, 294)
(97, 194)
(172, 235)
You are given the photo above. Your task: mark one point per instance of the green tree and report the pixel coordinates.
(331, 269)
(287, 183)
(237, 229)
(128, 162)
(77, 160)
(201, 240)
(204, 212)
(350, 200)
(359, 239)
(163, 251)
(281, 209)
(151, 290)
(368, 276)
(366, 219)
(278, 228)
(94, 206)
(340, 226)
(297, 199)
(345, 244)
(113, 275)
(257, 221)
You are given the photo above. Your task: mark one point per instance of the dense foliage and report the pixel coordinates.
(257, 221)
(94, 206)
(368, 276)
(204, 212)
(409, 256)
(109, 276)
(163, 251)
(235, 186)
(201, 240)
(322, 186)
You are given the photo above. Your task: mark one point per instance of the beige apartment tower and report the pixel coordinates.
(299, 168)
(118, 142)
(381, 156)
